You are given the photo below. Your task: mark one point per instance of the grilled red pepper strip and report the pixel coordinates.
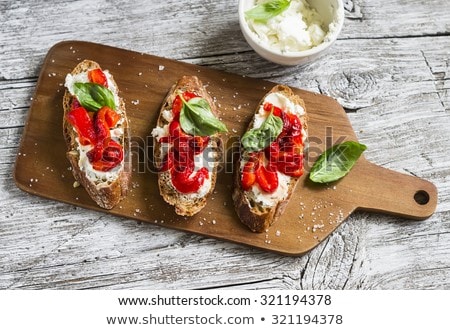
(267, 178)
(103, 136)
(97, 76)
(248, 174)
(269, 107)
(177, 103)
(80, 119)
(111, 156)
(111, 116)
(185, 183)
(290, 163)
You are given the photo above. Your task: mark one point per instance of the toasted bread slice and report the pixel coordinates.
(185, 203)
(256, 208)
(106, 188)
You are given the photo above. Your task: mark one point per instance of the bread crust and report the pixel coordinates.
(186, 204)
(106, 195)
(257, 217)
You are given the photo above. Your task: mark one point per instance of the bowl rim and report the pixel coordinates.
(303, 53)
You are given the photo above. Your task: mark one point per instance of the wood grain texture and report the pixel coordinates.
(389, 70)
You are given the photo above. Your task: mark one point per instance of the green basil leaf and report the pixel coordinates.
(336, 162)
(94, 96)
(196, 118)
(267, 10)
(259, 138)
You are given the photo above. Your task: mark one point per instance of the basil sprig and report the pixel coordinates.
(336, 162)
(196, 118)
(267, 10)
(259, 138)
(93, 96)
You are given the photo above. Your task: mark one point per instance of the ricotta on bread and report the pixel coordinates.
(272, 156)
(95, 128)
(187, 146)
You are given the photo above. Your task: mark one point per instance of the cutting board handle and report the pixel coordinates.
(396, 193)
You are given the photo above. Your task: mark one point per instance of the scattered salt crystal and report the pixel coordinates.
(277, 233)
(161, 67)
(76, 184)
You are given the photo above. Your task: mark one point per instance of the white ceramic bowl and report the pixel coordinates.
(331, 11)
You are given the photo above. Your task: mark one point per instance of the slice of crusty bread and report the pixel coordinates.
(186, 204)
(105, 194)
(253, 214)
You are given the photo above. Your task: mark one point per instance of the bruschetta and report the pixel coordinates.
(187, 146)
(95, 128)
(271, 161)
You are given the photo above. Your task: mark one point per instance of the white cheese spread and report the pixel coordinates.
(297, 28)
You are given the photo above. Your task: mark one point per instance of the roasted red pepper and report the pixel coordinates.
(168, 161)
(177, 103)
(93, 129)
(98, 77)
(270, 107)
(290, 163)
(184, 182)
(267, 178)
(80, 119)
(249, 173)
(111, 156)
(111, 116)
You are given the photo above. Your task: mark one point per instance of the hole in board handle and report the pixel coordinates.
(421, 197)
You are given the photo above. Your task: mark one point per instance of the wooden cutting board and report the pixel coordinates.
(314, 211)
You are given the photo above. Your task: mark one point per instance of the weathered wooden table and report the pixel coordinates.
(389, 70)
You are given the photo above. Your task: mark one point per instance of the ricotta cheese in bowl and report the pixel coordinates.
(290, 32)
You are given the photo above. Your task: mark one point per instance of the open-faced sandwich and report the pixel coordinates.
(272, 154)
(95, 129)
(187, 146)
